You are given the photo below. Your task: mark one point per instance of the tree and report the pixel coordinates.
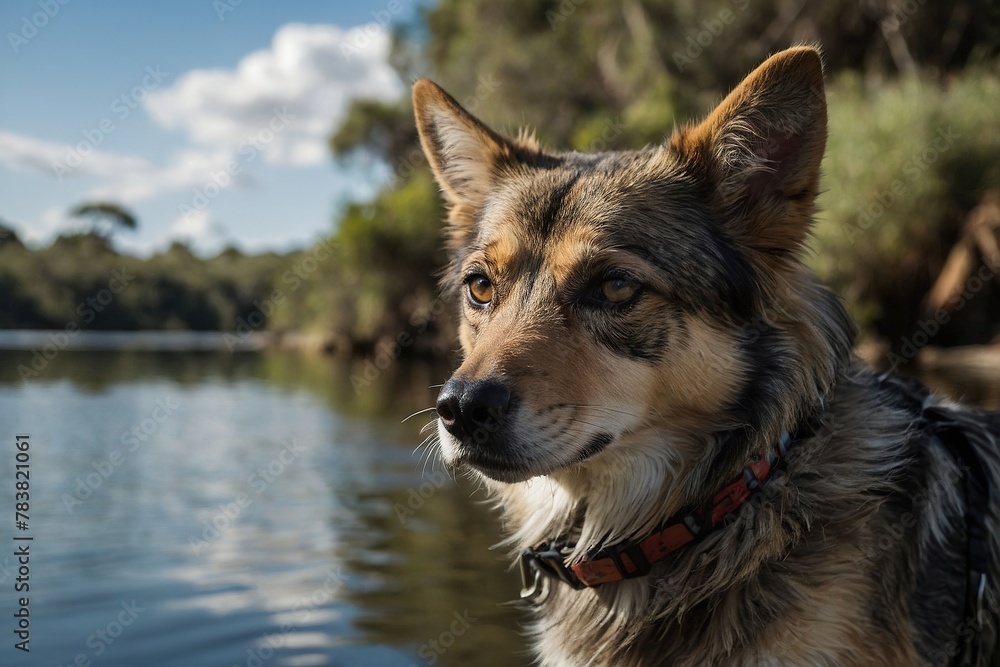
(105, 216)
(8, 236)
(614, 74)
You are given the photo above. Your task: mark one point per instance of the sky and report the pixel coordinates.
(208, 119)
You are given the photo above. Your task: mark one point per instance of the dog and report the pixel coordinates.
(692, 466)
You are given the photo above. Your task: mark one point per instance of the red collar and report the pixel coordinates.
(635, 559)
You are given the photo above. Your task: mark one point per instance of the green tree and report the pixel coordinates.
(105, 217)
(611, 74)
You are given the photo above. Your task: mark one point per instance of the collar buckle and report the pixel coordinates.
(544, 559)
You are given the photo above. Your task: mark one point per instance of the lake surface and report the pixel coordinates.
(249, 509)
(242, 509)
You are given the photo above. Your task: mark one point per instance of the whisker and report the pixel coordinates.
(429, 455)
(424, 442)
(419, 412)
(427, 458)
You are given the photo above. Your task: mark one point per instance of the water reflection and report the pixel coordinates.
(260, 509)
(255, 523)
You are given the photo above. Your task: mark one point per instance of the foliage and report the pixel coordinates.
(906, 162)
(578, 62)
(594, 75)
(383, 128)
(380, 283)
(82, 279)
(602, 74)
(107, 212)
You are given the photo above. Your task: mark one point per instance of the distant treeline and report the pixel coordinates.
(82, 279)
(80, 282)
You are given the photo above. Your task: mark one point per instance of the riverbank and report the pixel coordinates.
(974, 360)
(48, 342)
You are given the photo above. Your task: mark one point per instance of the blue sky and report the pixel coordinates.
(208, 119)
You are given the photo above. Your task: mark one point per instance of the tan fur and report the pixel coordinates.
(618, 416)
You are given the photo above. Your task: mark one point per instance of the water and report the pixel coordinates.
(250, 509)
(242, 509)
(49, 343)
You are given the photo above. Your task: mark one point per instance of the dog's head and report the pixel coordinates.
(611, 298)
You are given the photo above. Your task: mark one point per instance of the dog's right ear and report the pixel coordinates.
(760, 150)
(465, 155)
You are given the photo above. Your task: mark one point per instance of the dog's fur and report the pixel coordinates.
(622, 415)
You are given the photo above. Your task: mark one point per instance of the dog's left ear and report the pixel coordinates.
(761, 150)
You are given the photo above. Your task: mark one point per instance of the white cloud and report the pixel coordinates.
(281, 102)
(29, 154)
(188, 168)
(310, 71)
(198, 227)
(126, 178)
(277, 106)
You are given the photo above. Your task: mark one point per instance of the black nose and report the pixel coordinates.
(468, 407)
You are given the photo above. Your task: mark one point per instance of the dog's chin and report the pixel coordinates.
(511, 470)
(504, 475)
(499, 469)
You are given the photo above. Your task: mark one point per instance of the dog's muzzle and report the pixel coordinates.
(473, 411)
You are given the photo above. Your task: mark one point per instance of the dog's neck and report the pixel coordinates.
(631, 491)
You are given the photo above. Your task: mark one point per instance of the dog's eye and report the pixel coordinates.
(480, 289)
(618, 289)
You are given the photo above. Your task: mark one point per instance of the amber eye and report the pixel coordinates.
(618, 290)
(480, 289)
